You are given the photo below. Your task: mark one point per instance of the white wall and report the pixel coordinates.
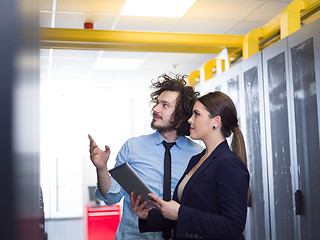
(68, 113)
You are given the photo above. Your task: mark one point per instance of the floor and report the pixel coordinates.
(65, 229)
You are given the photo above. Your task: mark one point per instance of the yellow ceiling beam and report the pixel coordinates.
(286, 23)
(271, 28)
(290, 18)
(251, 43)
(137, 41)
(282, 25)
(128, 47)
(194, 78)
(206, 70)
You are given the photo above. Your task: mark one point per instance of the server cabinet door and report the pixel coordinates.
(231, 86)
(232, 79)
(227, 82)
(278, 141)
(304, 52)
(252, 126)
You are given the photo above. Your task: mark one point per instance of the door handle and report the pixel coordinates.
(298, 201)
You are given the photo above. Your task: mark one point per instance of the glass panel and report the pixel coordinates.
(307, 129)
(233, 91)
(283, 203)
(253, 146)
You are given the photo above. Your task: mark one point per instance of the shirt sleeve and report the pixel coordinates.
(115, 192)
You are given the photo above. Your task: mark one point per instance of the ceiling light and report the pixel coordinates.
(157, 8)
(118, 63)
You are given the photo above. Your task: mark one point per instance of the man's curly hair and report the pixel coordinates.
(184, 104)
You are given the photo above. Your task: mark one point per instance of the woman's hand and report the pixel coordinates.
(168, 209)
(137, 208)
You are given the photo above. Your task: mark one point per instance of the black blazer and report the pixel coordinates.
(214, 201)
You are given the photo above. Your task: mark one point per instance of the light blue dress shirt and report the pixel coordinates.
(145, 155)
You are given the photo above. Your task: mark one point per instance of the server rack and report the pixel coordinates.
(277, 95)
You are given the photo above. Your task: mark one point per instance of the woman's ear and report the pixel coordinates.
(217, 121)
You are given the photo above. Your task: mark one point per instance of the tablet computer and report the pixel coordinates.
(130, 181)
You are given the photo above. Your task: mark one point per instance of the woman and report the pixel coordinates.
(210, 200)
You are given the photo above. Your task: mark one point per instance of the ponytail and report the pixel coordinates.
(239, 148)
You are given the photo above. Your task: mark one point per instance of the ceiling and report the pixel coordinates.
(205, 16)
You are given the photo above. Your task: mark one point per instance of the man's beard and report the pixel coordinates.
(160, 129)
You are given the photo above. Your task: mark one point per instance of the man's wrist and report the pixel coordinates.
(103, 169)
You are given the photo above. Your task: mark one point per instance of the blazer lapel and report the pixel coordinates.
(219, 149)
(190, 166)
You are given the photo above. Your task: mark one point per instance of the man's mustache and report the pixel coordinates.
(156, 115)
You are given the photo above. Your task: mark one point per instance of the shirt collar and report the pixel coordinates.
(158, 139)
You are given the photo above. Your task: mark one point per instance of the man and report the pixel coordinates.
(173, 107)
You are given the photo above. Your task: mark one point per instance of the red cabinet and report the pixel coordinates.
(102, 222)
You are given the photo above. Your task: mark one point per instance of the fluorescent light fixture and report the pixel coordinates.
(157, 8)
(118, 63)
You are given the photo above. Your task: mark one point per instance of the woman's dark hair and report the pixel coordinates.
(184, 104)
(220, 104)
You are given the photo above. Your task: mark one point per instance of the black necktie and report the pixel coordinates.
(167, 180)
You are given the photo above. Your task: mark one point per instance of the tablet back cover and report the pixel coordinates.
(130, 181)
